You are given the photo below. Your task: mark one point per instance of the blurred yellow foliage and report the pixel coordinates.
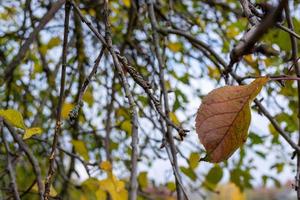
(228, 191)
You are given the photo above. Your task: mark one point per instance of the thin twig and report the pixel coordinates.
(278, 24)
(31, 157)
(179, 186)
(57, 131)
(89, 24)
(248, 13)
(254, 34)
(9, 166)
(107, 43)
(75, 111)
(133, 186)
(137, 77)
(297, 71)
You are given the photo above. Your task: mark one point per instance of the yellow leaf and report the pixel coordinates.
(224, 117)
(213, 72)
(200, 23)
(170, 198)
(88, 97)
(127, 3)
(120, 185)
(29, 132)
(53, 192)
(53, 42)
(174, 118)
(66, 109)
(105, 165)
(175, 46)
(232, 32)
(122, 112)
(268, 62)
(92, 12)
(114, 187)
(37, 67)
(81, 149)
(13, 117)
(43, 49)
(126, 126)
(228, 192)
(83, 197)
(250, 60)
(107, 185)
(101, 194)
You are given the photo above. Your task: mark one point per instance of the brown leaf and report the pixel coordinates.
(224, 117)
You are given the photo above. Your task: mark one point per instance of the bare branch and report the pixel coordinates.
(254, 34)
(31, 157)
(57, 131)
(9, 166)
(297, 72)
(179, 186)
(248, 13)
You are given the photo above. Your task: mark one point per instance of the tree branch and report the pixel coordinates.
(9, 166)
(297, 72)
(179, 186)
(57, 131)
(31, 157)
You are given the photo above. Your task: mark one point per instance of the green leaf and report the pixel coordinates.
(213, 177)
(189, 173)
(143, 179)
(29, 132)
(276, 181)
(242, 178)
(194, 160)
(255, 139)
(91, 184)
(89, 188)
(185, 78)
(81, 149)
(278, 166)
(13, 117)
(171, 186)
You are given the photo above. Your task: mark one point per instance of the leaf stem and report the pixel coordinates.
(274, 78)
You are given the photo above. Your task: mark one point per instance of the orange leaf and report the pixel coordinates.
(224, 117)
